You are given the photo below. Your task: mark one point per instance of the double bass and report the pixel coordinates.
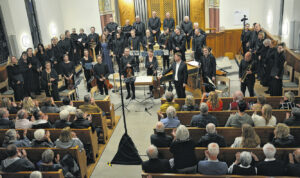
(158, 90)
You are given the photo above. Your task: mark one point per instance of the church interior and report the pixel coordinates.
(149, 88)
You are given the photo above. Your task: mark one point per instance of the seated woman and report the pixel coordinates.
(213, 102)
(190, 104)
(41, 120)
(267, 119)
(12, 137)
(46, 164)
(68, 139)
(282, 137)
(242, 164)
(42, 139)
(11, 106)
(183, 150)
(170, 102)
(260, 102)
(29, 105)
(49, 106)
(171, 121)
(288, 101)
(249, 138)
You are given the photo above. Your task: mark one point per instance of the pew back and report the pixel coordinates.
(48, 174)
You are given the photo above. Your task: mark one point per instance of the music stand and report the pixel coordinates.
(77, 83)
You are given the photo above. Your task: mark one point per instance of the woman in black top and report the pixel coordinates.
(50, 82)
(277, 72)
(86, 62)
(68, 70)
(42, 55)
(15, 79)
(25, 68)
(55, 54)
(36, 71)
(151, 66)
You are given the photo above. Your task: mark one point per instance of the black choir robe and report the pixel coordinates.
(54, 86)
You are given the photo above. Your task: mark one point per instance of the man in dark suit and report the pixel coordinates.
(211, 137)
(5, 123)
(178, 42)
(169, 22)
(187, 28)
(155, 165)
(127, 70)
(160, 139)
(154, 25)
(198, 43)
(180, 75)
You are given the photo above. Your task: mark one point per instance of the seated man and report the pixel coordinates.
(47, 164)
(211, 137)
(160, 139)
(36, 174)
(171, 121)
(81, 121)
(293, 168)
(270, 166)
(237, 96)
(68, 105)
(41, 120)
(212, 166)
(42, 139)
(240, 118)
(63, 122)
(170, 102)
(294, 119)
(202, 119)
(89, 105)
(5, 123)
(155, 165)
(49, 106)
(16, 160)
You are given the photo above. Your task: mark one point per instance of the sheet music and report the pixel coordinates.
(144, 79)
(193, 63)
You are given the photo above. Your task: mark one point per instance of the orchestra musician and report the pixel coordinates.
(118, 48)
(178, 43)
(67, 68)
(87, 66)
(75, 46)
(247, 72)
(50, 81)
(101, 73)
(126, 30)
(179, 76)
(111, 27)
(55, 54)
(93, 38)
(139, 27)
(127, 70)
(82, 38)
(154, 25)
(151, 66)
(208, 67)
(165, 44)
(148, 41)
(134, 45)
(15, 78)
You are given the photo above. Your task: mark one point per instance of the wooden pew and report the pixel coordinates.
(185, 117)
(48, 174)
(272, 100)
(86, 136)
(266, 134)
(97, 119)
(35, 155)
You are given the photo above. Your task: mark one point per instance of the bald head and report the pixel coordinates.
(238, 95)
(160, 127)
(152, 152)
(210, 128)
(248, 56)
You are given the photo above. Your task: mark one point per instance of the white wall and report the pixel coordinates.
(81, 14)
(287, 17)
(271, 15)
(49, 16)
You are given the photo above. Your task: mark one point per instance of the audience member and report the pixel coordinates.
(22, 121)
(16, 161)
(237, 96)
(183, 150)
(68, 139)
(63, 122)
(46, 164)
(81, 121)
(10, 106)
(267, 119)
(212, 166)
(249, 138)
(204, 118)
(294, 119)
(89, 105)
(12, 137)
(49, 106)
(293, 168)
(36, 174)
(171, 121)
(190, 104)
(270, 166)
(213, 102)
(160, 139)
(42, 139)
(211, 137)
(40, 120)
(282, 137)
(261, 101)
(242, 164)
(288, 101)
(155, 165)
(68, 105)
(5, 123)
(29, 105)
(170, 102)
(240, 118)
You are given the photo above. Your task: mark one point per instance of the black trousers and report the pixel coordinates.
(156, 35)
(18, 91)
(275, 87)
(101, 85)
(166, 62)
(180, 90)
(188, 41)
(54, 93)
(87, 75)
(128, 86)
(137, 60)
(118, 59)
(248, 84)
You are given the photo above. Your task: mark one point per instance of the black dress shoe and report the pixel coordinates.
(133, 97)
(128, 96)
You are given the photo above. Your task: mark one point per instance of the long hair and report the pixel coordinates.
(38, 48)
(65, 135)
(28, 104)
(102, 39)
(249, 137)
(267, 114)
(213, 99)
